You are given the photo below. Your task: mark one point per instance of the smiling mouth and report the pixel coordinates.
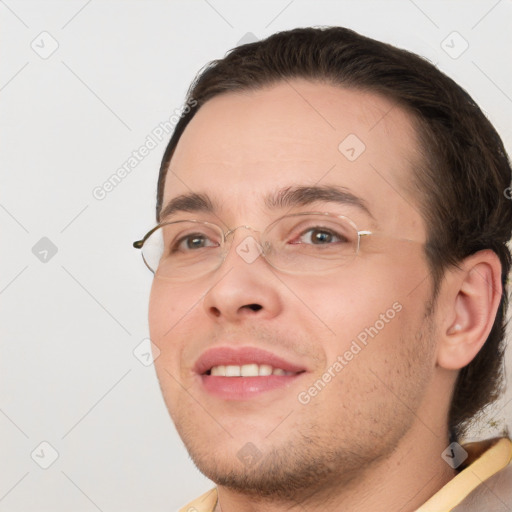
(244, 373)
(247, 370)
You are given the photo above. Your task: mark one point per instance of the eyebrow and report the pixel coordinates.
(188, 203)
(288, 197)
(303, 196)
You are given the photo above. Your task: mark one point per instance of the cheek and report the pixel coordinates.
(347, 302)
(169, 308)
(161, 310)
(370, 302)
(377, 348)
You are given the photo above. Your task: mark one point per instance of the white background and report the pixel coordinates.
(68, 122)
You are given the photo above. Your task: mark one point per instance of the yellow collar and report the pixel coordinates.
(485, 459)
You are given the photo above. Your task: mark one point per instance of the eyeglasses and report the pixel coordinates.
(302, 243)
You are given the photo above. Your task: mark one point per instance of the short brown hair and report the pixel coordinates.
(460, 184)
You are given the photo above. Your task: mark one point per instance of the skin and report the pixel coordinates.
(372, 438)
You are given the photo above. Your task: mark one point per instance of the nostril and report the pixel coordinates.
(254, 307)
(215, 311)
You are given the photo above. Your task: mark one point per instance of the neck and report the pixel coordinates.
(403, 481)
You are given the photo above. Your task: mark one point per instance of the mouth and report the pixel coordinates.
(240, 374)
(246, 370)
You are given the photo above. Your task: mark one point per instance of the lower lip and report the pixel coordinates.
(243, 388)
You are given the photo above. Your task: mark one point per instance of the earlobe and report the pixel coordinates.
(473, 293)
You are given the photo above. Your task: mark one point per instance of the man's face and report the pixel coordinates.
(321, 419)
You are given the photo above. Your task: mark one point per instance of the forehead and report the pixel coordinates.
(241, 147)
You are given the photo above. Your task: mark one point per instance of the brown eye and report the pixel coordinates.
(195, 241)
(192, 242)
(319, 236)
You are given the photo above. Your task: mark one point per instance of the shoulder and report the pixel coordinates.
(493, 495)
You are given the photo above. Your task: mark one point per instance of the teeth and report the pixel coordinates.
(265, 369)
(218, 370)
(247, 370)
(232, 371)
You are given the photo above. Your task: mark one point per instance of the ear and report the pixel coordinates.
(471, 294)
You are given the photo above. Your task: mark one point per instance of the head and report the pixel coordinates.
(273, 129)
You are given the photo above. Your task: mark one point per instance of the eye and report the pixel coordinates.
(319, 236)
(193, 241)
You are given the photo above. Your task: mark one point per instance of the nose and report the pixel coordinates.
(246, 286)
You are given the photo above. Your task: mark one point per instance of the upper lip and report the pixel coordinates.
(247, 355)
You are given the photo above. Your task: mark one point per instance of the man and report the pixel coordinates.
(330, 269)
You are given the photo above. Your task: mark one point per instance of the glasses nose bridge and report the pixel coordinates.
(244, 226)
